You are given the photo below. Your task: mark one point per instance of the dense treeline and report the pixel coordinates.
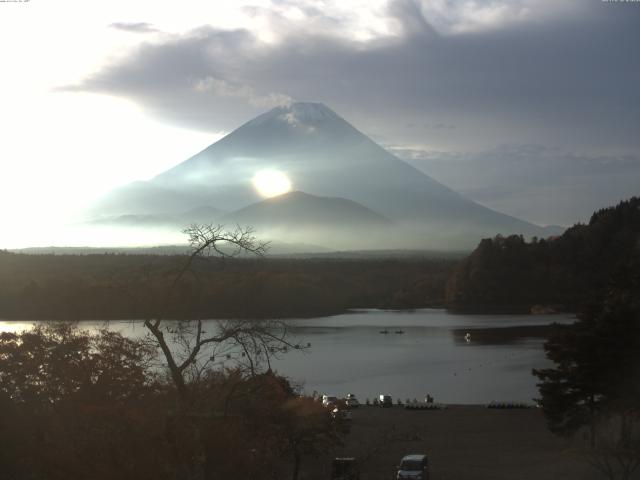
(593, 390)
(115, 286)
(509, 274)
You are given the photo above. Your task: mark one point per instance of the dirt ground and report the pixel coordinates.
(462, 443)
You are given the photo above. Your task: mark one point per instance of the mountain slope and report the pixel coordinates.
(322, 154)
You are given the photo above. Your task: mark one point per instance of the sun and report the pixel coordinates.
(270, 183)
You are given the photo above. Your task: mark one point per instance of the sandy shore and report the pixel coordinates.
(462, 442)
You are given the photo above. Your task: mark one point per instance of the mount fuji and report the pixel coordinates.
(323, 158)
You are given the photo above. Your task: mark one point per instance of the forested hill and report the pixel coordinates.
(508, 274)
(110, 286)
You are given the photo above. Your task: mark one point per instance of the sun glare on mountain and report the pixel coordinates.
(271, 183)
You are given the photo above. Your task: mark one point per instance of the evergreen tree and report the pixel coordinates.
(597, 359)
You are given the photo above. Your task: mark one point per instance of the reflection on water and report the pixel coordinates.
(500, 336)
(348, 354)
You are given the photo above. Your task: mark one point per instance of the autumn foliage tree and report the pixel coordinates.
(82, 405)
(267, 427)
(75, 405)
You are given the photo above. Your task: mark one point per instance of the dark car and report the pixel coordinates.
(413, 467)
(385, 401)
(345, 468)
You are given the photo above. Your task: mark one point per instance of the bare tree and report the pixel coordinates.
(189, 350)
(186, 346)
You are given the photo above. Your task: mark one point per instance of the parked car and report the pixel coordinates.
(352, 401)
(385, 401)
(413, 467)
(329, 400)
(341, 413)
(345, 468)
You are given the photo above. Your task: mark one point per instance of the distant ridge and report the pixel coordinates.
(297, 209)
(202, 214)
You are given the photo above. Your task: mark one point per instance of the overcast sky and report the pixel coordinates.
(531, 107)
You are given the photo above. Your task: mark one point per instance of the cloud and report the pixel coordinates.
(222, 88)
(473, 16)
(569, 80)
(134, 27)
(538, 183)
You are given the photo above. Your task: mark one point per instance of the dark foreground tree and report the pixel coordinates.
(268, 429)
(595, 386)
(87, 406)
(597, 359)
(78, 405)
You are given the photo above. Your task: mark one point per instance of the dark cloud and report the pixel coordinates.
(134, 27)
(410, 18)
(534, 182)
(563, 82)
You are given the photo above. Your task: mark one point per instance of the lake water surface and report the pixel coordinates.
(348, 354)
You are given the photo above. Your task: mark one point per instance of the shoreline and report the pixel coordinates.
(302, 316)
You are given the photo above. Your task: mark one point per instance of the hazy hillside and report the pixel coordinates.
(300, 217)
(298, 208)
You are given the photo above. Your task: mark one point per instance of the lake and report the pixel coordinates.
(348, 354)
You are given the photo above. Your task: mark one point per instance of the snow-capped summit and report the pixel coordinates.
(300, 113)
(287, 122)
